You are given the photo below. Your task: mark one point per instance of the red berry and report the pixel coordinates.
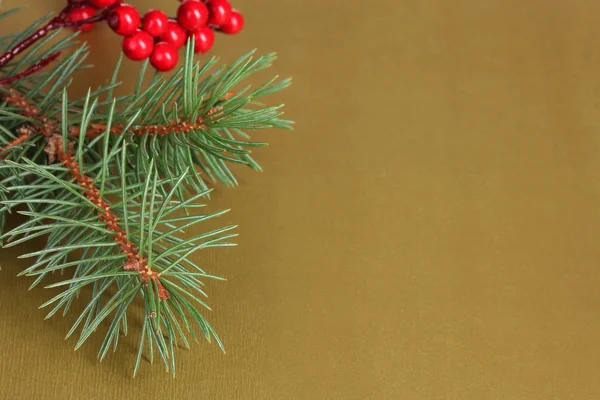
(204, 39)
(174, 35)
(138, 46)
(79, 14)
(220, 10)
(234, 24)
(155, 22)
(164, 57)
(192, 14)
(124, 19)
(103, 3)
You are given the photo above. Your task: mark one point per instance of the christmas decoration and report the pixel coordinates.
(80, 14)
(138, 46)
(203, 39)
(110, 183)
(174, 35)
(155, 22)
(192, 14)
(164, 57)
(124, 19)
(194, 18)
(234, 24)
(220, 12)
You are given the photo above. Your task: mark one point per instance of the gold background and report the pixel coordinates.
(429, 231)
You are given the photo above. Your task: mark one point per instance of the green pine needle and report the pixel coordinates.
(153, 183)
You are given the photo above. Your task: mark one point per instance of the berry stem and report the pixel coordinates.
(31, 70)
(58, 22)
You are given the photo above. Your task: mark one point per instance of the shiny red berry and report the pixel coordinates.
(174, 35)
(124, 19)
(203, 39)
(164, 57)
(138, 46)
(192, 14)
(234, 24)
(220, 10)
(155, 22)
(103, 3)
(79, 14)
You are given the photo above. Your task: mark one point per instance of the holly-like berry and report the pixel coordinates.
(234, 24)
(138, 46)
(203, 39)
(103, 3)
(79, 14)
(124, 19)
(164, 57)
(220, 10)
(155, 22)
(174, 35)
(192, 14)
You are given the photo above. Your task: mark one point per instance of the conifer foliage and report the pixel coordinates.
(111, 184)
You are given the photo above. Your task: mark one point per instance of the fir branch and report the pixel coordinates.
(172, 127)
(66, 204)
(44, 126)
(75, 218)
(24, 134)
(135, 262)
(112, 183)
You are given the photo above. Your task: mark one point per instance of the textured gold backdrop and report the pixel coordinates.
(429, 231)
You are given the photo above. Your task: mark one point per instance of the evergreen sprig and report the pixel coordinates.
(112, 183)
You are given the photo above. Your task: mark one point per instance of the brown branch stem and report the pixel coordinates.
(44, 126)
(25, 133)
(49, 129)
(135, 262)
(172, 127)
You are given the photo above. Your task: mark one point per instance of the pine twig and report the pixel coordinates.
(135, 262)
(54, 149)
(46, 127)
(24, 134)
(173, 127)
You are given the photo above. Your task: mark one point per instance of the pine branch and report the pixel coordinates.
(113, 183)
(148, 270)
(135, 262)
(173, 127)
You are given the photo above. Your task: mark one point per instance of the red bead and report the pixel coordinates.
(204, 39)
(79, 14)
(124, 19)
(174, 35)
(103, 3)
(220, 10)
(192, 14)
(164, 57)
(138, 46)
(155, 22)
(234, 24)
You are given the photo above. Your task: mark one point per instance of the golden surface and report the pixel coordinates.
(429, 231)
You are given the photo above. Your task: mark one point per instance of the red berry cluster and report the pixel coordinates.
(159, 37)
